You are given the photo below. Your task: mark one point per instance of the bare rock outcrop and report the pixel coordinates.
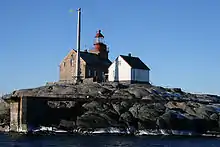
(138, 106)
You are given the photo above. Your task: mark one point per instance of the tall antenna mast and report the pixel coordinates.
(77, 77)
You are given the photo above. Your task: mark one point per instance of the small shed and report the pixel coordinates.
(128, 69)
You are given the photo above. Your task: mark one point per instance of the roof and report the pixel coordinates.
(94, 60)
(135, 62)
(99, 34)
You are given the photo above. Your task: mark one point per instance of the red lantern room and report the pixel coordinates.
(99, 38)
(99, 42)
(100, 48)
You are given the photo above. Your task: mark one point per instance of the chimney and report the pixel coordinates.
(129, 55)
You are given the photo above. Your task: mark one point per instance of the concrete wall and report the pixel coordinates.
(119, 71)
(140, 75)
(14, 116)
(18, 115)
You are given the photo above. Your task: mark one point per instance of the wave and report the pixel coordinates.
(128, 131)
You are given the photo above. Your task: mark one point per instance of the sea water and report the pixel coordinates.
(64, 140)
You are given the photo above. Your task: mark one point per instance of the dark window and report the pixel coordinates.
(71, 62)
(89, 73)
(119, 63)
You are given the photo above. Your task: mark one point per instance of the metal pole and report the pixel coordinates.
(78, 46)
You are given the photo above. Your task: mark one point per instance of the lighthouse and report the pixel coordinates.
(100, 48)
(87, 65)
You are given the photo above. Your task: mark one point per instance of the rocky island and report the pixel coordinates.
(117, 108)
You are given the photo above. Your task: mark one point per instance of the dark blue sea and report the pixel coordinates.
(7, 140)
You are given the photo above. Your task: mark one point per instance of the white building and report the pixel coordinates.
(128, 69)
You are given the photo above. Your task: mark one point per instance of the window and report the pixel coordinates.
(71, 62)
(64, 63)
(103, 77)
(89, 73)
(95, 73)
(119, 62)
(72, 56)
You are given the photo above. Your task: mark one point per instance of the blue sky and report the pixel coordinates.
(178, 39)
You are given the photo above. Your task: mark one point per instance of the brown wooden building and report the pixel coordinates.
(94, 63)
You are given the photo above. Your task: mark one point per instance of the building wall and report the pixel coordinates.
(18, 111)
(96, 72)
(140, 75)
(120, 71)
(14, 116)
(68, 67)
(111, 72)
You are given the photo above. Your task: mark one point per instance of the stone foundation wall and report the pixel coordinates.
(18, 114)
(14, 116)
